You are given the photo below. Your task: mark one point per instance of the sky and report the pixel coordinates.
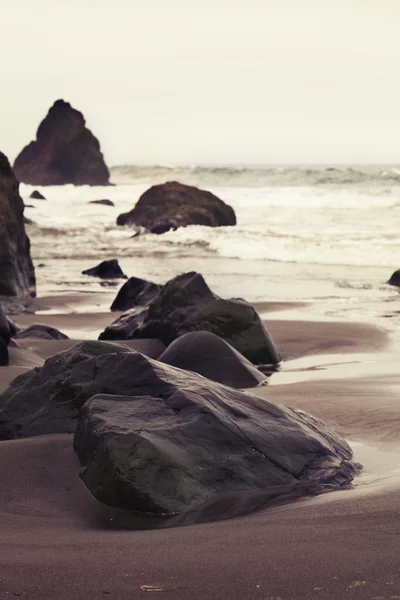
(222, 81)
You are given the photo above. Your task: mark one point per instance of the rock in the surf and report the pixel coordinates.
(36, 195)
(135, 292)
(64, 151)
(395, 278)
(174, 440)
(17, 275)
(108, 269)
(105, 202)
(172, 205)
(186, 304)
(209, 355)
(38, 330)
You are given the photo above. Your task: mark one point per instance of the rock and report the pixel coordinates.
(186, 304)
(4, 357)
(48, 399)
(395, 279)
(209, 355)
(44, 332)
(65, 151)
(172, 204)
(105, 202)
(28, 221)
(135, 292)
(17, 275)
(37, 195)
(108, 269)
(6, 330)
(174, 440)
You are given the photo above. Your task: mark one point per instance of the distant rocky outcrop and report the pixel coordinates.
(395, 279)
(37, 195)
(185, 304)
(172, 205)
(135, 292)
(65, 151)
(17, 275)
(108, 269)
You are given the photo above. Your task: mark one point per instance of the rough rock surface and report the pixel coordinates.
(176, 439)
(37, 195)
(172, 204)
(135, 292)
(187, 304)
(65, 151)
(395, 278)
(105, 202)
(44, 332)
(5, 337)
(17, 275)
(207, 354)
(108, 269)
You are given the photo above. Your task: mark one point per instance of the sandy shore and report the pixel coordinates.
(57, 542)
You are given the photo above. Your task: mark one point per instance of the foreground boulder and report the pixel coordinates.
(186, 304)
(135, 292)
(207, 354)
(174, 440)
(44, 332)
(172, 205)
(17, 275)
(395, 278)
(108, 269)
(65, 151)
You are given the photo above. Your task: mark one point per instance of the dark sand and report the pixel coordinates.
(56, 541)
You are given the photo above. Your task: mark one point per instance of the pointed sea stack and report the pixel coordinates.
(65, 151)
(17, 275)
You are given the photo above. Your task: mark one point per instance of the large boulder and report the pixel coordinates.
(108, 269)
(172, 204)
(176, 440)
(135, 292)
(17, 275)
(43, 332)
(65, 151)
(185, 304)
(207, 354)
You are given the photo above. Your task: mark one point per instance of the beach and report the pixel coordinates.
(58, 542)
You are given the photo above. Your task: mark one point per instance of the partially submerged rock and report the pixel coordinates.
(17, 275)
(36, 195)
(65, 151)
(176, 439)
(395, 278)
(105, 202)
(108, 269)
(209, 355)
(135, 292)
(172, 205)
(44, 332)
(187, 304)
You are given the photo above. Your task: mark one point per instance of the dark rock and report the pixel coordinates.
(135, 292)
(108, 269)
(29, 206)
(395, 279)
(105, 202)
(44, 332)
(65, 151)
(17, 275)
(6, 329)
(4, 358)
(47, 399)
(186, 304)
(37, 195)
(41, 265)
(176, 439)
(28, 221)
(172, 204)
(207, 354)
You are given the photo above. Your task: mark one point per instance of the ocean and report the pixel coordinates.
(328, 236)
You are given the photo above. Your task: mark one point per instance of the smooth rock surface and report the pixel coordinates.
(44, 332)
(108, 269)
(187, 304)
(65, 151)
(172, 205)
(17, 275)
(135, 292)
(176, 440)
(209, 355)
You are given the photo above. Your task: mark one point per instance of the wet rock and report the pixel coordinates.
(172, 205)
(395, 279)
(44, 332)
(174, 440)
(187, 304)
(135, 292)
(37, 195)
(209, 355)
(65, 151)
(105, 202)
(17, 275)
(6, 330)
(108, 269)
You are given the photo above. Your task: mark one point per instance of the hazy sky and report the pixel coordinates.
(189, 81)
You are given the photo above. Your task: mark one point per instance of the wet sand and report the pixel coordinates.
(54, 545)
